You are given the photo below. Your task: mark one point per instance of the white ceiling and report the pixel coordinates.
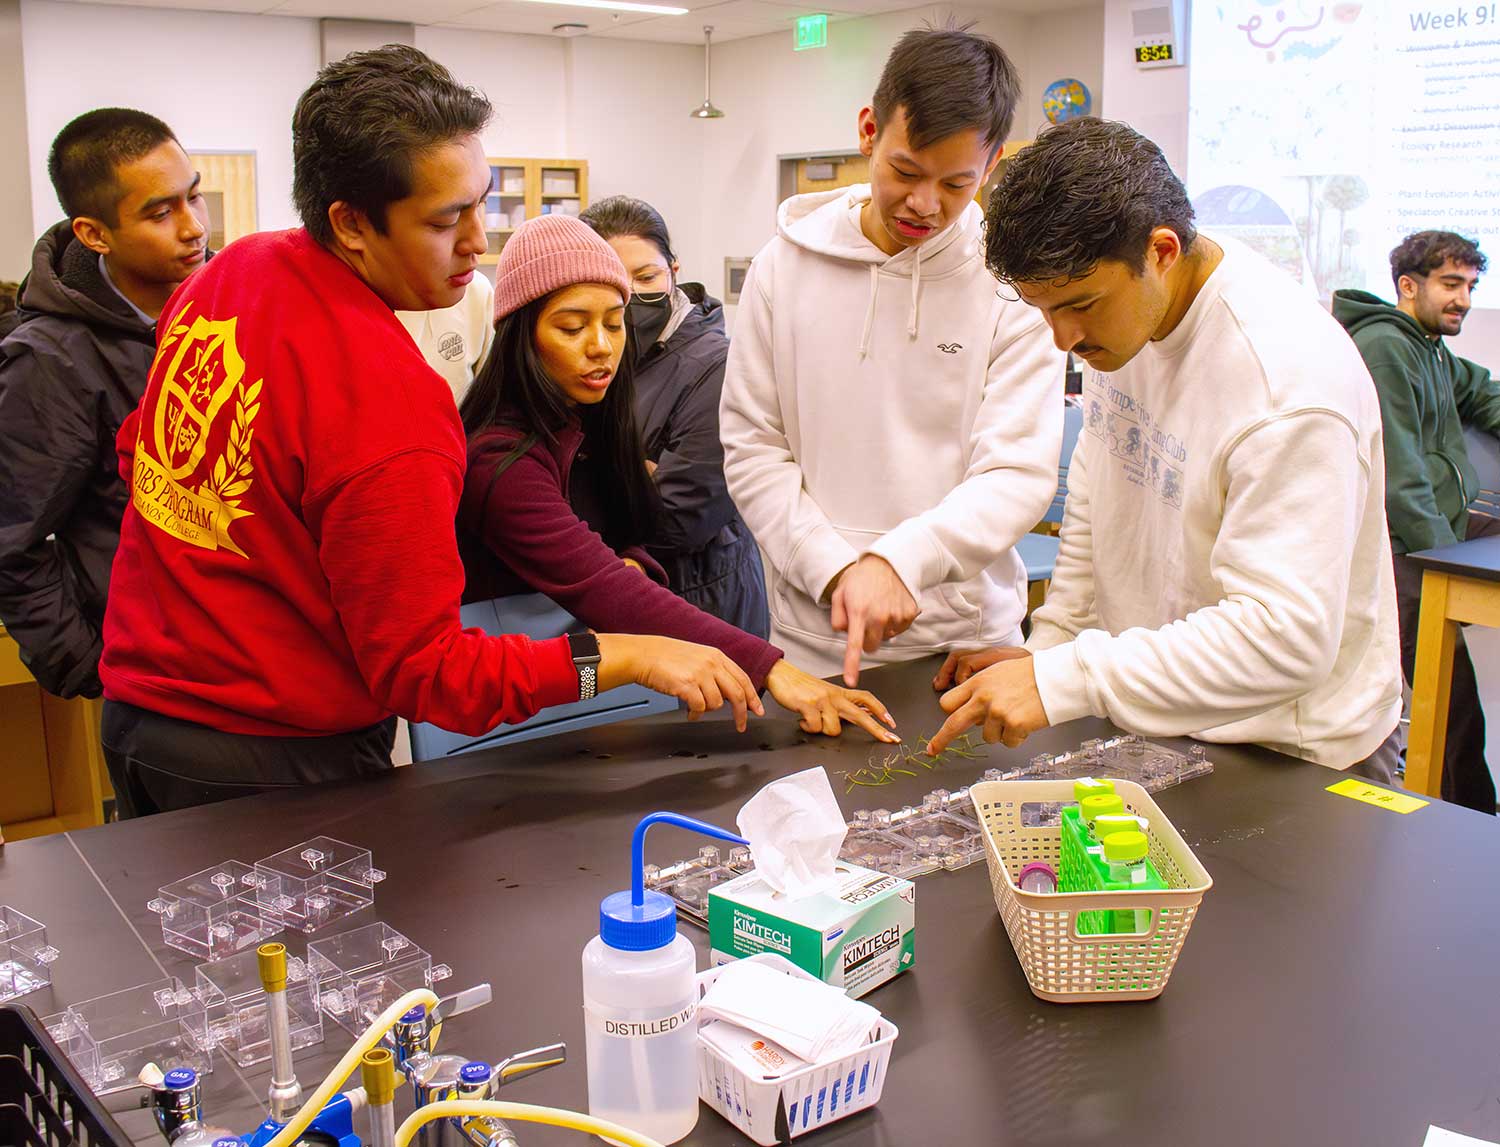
(731, 19)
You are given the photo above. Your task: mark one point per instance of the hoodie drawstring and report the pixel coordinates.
(864, 339)
(916, 288)
(916, 302)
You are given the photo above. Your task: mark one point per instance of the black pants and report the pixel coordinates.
(1466, 774)
(158, 763)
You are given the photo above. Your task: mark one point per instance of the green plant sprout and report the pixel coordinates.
(889, 767)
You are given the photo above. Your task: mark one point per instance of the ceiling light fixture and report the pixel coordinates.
(617, 6)
(706, 109)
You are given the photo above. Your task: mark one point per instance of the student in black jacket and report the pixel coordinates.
(679, 346)
(74, 367)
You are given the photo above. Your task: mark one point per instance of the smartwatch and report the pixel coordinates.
(584, 648)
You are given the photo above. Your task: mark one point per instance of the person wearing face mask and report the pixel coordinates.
(678, 349)
(557, 499)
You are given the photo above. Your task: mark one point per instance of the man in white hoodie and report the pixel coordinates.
(891, 422)
(1225, 567)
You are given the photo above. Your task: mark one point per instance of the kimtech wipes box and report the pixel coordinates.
(856, 936)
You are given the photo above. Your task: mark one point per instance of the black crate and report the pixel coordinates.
(44, 1102)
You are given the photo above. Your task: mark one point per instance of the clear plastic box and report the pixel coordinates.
(214, 913)
(359, 974)
(25, 956)
(231, 992)
(110, 1038)
(315, 883)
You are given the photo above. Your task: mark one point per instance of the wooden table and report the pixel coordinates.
(1293, 1017)
(1460, 586)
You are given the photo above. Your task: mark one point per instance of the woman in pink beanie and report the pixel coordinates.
(557, 499)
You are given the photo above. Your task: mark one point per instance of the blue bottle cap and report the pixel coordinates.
(415, 1015)
(226, 1142)
(475, 1071)
(630, 927)
(179, 1079)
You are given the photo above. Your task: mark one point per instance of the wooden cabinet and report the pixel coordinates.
(522, 189)
(52, 773)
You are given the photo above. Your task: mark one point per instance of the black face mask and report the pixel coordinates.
(647, 316)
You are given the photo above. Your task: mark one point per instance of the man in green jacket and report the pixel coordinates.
(1427, 396)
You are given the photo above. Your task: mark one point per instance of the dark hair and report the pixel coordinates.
(948, 80)
(358, 130)
(1423, 253)
(1086, 190)
(512, 389)
(622, 215)
(87, 154)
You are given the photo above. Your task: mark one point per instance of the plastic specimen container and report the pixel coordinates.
(109, 1039)
(235, 1003)
(25, 956)
(214, 913)
(361, 973)
(315, 883)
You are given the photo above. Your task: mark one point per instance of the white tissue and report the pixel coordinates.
(795, 830)
(810, 1019)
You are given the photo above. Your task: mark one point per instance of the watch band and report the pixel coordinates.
(584, 648)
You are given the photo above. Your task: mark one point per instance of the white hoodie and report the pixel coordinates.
(893, 405)
(1225, 567)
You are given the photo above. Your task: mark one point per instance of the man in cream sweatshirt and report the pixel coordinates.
(891, 421)
(1225, 569)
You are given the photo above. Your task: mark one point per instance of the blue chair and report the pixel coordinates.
(1039, 551)
(537, 617)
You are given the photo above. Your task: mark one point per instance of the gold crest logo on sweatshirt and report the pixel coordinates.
(189, 478)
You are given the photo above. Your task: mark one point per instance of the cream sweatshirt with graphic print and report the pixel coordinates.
(1225, 567)
(893, 405)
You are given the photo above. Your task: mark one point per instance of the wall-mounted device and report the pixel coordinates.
(1159, 33)
(734, 278)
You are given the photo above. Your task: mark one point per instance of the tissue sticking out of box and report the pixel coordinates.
(795, 830)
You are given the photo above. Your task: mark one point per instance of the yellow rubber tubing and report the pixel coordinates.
(383, 1023)
(519, 1113)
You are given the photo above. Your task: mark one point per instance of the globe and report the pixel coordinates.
(1066, 99)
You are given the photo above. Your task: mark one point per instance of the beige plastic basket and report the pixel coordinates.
(1061, 964)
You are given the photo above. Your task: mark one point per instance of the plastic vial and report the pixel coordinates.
(639, 1000)
(1125, 853)
(1100, 804)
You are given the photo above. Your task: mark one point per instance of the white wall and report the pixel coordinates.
(1153, 101)
(15, 194)
(629, 118)
(524, 77)
(233, 86)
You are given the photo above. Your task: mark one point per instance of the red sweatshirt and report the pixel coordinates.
(520, 532)
(288, 564)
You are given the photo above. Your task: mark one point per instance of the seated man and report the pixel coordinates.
(1427, 396)
(1224, 567)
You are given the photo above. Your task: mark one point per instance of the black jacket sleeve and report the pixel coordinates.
(690, 472)
(48, 450)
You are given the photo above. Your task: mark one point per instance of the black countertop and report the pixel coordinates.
(1339, 985)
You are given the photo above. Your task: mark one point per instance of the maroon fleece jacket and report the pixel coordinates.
(519, 532)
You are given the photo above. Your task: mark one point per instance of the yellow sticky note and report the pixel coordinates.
(1375, 795)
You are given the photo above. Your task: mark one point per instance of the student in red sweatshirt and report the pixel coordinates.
(287, 578)
(557, 497)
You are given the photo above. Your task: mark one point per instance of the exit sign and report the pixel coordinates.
(812, 32)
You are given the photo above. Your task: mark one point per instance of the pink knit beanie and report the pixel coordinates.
(551, 252)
